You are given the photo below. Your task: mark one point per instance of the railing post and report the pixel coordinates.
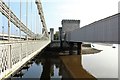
(9, 58)
(20, 52)
(71, 44)
(27, 17)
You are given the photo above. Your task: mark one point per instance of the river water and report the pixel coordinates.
(101, 65)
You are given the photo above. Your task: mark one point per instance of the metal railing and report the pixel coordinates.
(12, 54)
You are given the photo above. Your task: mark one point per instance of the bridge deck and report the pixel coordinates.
(15, 55)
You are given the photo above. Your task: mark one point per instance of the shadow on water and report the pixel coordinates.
(50, 65)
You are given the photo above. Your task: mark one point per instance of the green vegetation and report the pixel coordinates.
(56, 36)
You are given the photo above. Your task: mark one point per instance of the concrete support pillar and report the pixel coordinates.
(60, 37)
(71, 45)
(52, 33)
(79, 51)
(79, 48)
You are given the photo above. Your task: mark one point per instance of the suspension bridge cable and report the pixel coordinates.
(27, 16)
(3, 28)
(31, 15)
(39, 6)
(9, 22)
(20, 20)
(36, 23)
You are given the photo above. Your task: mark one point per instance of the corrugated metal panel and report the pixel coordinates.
(105, 30)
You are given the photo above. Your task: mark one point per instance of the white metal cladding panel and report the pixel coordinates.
(114, 26)
(105, 30)
(119, 28)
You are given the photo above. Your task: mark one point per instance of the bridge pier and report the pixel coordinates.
(71, 45)
(60, 37)
(52, 34)
(79, 51)
(79, 48)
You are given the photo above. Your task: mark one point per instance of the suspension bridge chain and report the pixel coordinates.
(5, 10)
(40, 11)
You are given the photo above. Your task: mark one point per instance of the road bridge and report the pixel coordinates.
(102, 31)
(16, 50)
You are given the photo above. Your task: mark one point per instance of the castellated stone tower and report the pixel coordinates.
(69, 25)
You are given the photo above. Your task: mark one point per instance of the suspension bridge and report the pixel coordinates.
(18, 48)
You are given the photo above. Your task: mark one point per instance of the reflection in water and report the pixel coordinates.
(49, 65)
(46, 70)
(46, 66)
